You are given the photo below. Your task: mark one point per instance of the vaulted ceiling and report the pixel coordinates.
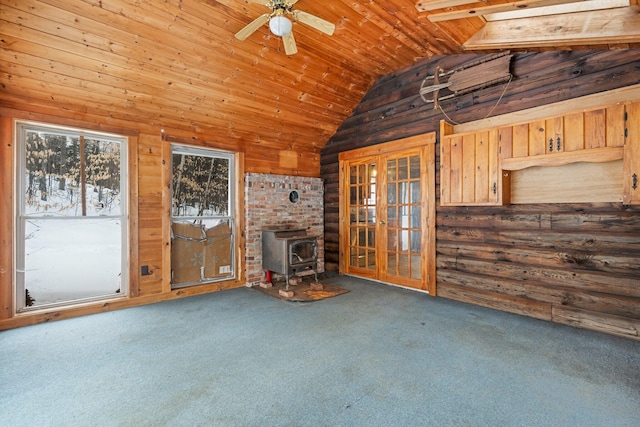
(176, 65)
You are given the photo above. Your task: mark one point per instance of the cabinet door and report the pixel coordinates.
(554, 132)
(469, 169)
(451, 170)
(631, 168)
(598, 128)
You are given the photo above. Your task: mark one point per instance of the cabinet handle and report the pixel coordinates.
(634, 180)
(558, 141)
(495, 188)
(551, 145)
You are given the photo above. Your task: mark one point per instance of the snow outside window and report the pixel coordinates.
(71, 216)
(202, 209)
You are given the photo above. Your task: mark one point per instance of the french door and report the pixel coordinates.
(387, 212)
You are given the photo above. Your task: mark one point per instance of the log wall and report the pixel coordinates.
(569, 263)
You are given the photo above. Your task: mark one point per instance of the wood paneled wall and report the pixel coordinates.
(569, 263)
(149, 205)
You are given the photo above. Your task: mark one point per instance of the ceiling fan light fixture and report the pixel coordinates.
(280, 26)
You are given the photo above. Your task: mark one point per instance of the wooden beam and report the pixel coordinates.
(628, 93)
(497, 8)
(581, 6)
(620, 25)
(426, 5)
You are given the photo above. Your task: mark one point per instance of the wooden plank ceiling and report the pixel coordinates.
(176, 65)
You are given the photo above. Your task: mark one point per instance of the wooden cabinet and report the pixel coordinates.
(584, 130)
(469, 169)
(476, 166)
(631, 168)
(595, 135)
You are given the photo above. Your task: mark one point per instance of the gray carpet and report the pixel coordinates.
(376, 356)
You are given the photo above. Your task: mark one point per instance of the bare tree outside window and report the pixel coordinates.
(61, 169)
(200, 186)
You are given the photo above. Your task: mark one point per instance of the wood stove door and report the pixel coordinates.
(388, 216)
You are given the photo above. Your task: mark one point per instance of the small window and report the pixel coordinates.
(202, 222)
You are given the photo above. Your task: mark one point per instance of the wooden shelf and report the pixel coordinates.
(593, 155)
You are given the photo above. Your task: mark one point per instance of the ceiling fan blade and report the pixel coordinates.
(262, 2)
(253, 26)
(313, 21)
(289, 42)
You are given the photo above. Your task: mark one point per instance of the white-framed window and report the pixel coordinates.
(202, 215)
(71, 211)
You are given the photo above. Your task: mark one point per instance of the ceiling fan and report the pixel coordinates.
(281, 26)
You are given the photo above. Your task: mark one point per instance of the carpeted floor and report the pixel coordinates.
(375, 356)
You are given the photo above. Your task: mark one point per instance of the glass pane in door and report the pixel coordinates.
(403, 217)
(362, 216)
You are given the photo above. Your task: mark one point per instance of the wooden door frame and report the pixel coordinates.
(426, 141)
